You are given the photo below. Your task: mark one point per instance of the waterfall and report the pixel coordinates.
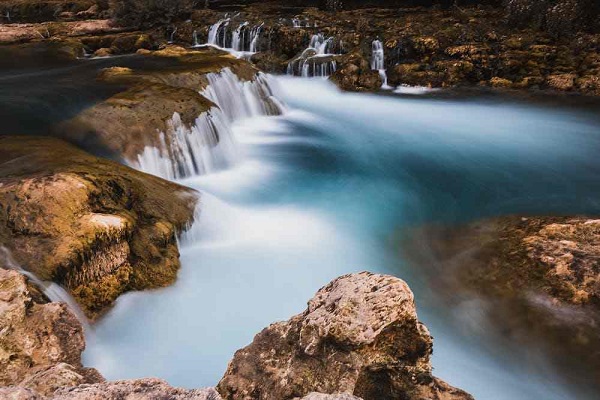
(195, 39)
(51, 290)
(241, 39)
(316, 60)
(378, 61)
(208, 144)
(205, 146)
(172, 37)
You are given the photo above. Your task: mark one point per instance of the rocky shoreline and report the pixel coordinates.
(99, 228)
(483, 46)
(328, 348)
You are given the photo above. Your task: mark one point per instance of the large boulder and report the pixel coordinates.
(359, 335)
(96, 227)
(40, 342)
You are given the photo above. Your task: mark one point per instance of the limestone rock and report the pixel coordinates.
(94, 226)
(35, 336)
(359, 335)
(146, 389)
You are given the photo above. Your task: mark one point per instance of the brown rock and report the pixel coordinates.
(338, 396)
(35, 337)
(94, 226)
(562, 81)
(359, 335)
(148, 389)
(102, 52)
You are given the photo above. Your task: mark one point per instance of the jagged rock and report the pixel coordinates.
(359, 335)
(19, 393)
(147, 389)
(40, 343)
(94, 226)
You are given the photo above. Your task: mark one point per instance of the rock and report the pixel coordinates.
(46, 380)
(338, 396)
(19, 393)
(535, 279)
(151, 389)
(563, 82)
(96, 227)
(40, 343)
(359, 335)
(500, 82)
(126, 123)
(102, 52)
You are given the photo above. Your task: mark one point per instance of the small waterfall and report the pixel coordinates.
(172, 37)
(239, 99)
(209, 145)
(316, 60)
(302, 23)
(241, 39)
(195, 39)
(51, 290)
(204, 147)
(378, 61)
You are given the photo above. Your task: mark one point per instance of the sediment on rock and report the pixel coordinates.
(359, 335)
(91, 225)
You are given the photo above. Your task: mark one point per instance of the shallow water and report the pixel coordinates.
(329, 188)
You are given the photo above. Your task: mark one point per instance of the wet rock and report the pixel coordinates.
(40, 342)
(359, 335)
(96, 227)
(563, 82)
(143, 114)
(534, 279)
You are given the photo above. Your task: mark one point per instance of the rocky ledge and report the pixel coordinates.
(535, 279)
(94, 226)
(359, 339)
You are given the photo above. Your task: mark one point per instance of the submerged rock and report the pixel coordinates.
(93, 226)
(359, 335)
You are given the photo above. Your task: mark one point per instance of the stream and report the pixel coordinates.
(331, 187)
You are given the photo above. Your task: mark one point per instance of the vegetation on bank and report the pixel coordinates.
(557, 17)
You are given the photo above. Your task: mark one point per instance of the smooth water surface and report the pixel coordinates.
(329, 188)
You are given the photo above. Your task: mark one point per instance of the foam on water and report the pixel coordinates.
(326, 189)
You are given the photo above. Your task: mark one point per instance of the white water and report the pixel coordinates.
(378, 62)
(51, 290)
(317, 60)
(208, 145)
(326, 189)
(241, 39)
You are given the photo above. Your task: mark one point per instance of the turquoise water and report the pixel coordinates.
(328, 189)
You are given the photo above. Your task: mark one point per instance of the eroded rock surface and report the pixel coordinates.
(40, 342)
(94, 226)
(359, 335)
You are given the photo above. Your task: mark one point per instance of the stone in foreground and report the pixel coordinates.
(359, 335)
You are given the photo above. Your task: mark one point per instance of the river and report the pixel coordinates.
(331, 187)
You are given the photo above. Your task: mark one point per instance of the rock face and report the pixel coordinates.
(159, 101)
(93, 226)
(40, 342)
(359, 335)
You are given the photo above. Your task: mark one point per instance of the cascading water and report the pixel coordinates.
(241, 39)
(378, 61)
(51, 290)
(316, 60)
(208, 144)
(195, 39)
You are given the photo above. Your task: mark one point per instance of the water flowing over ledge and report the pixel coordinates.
(208, 145)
